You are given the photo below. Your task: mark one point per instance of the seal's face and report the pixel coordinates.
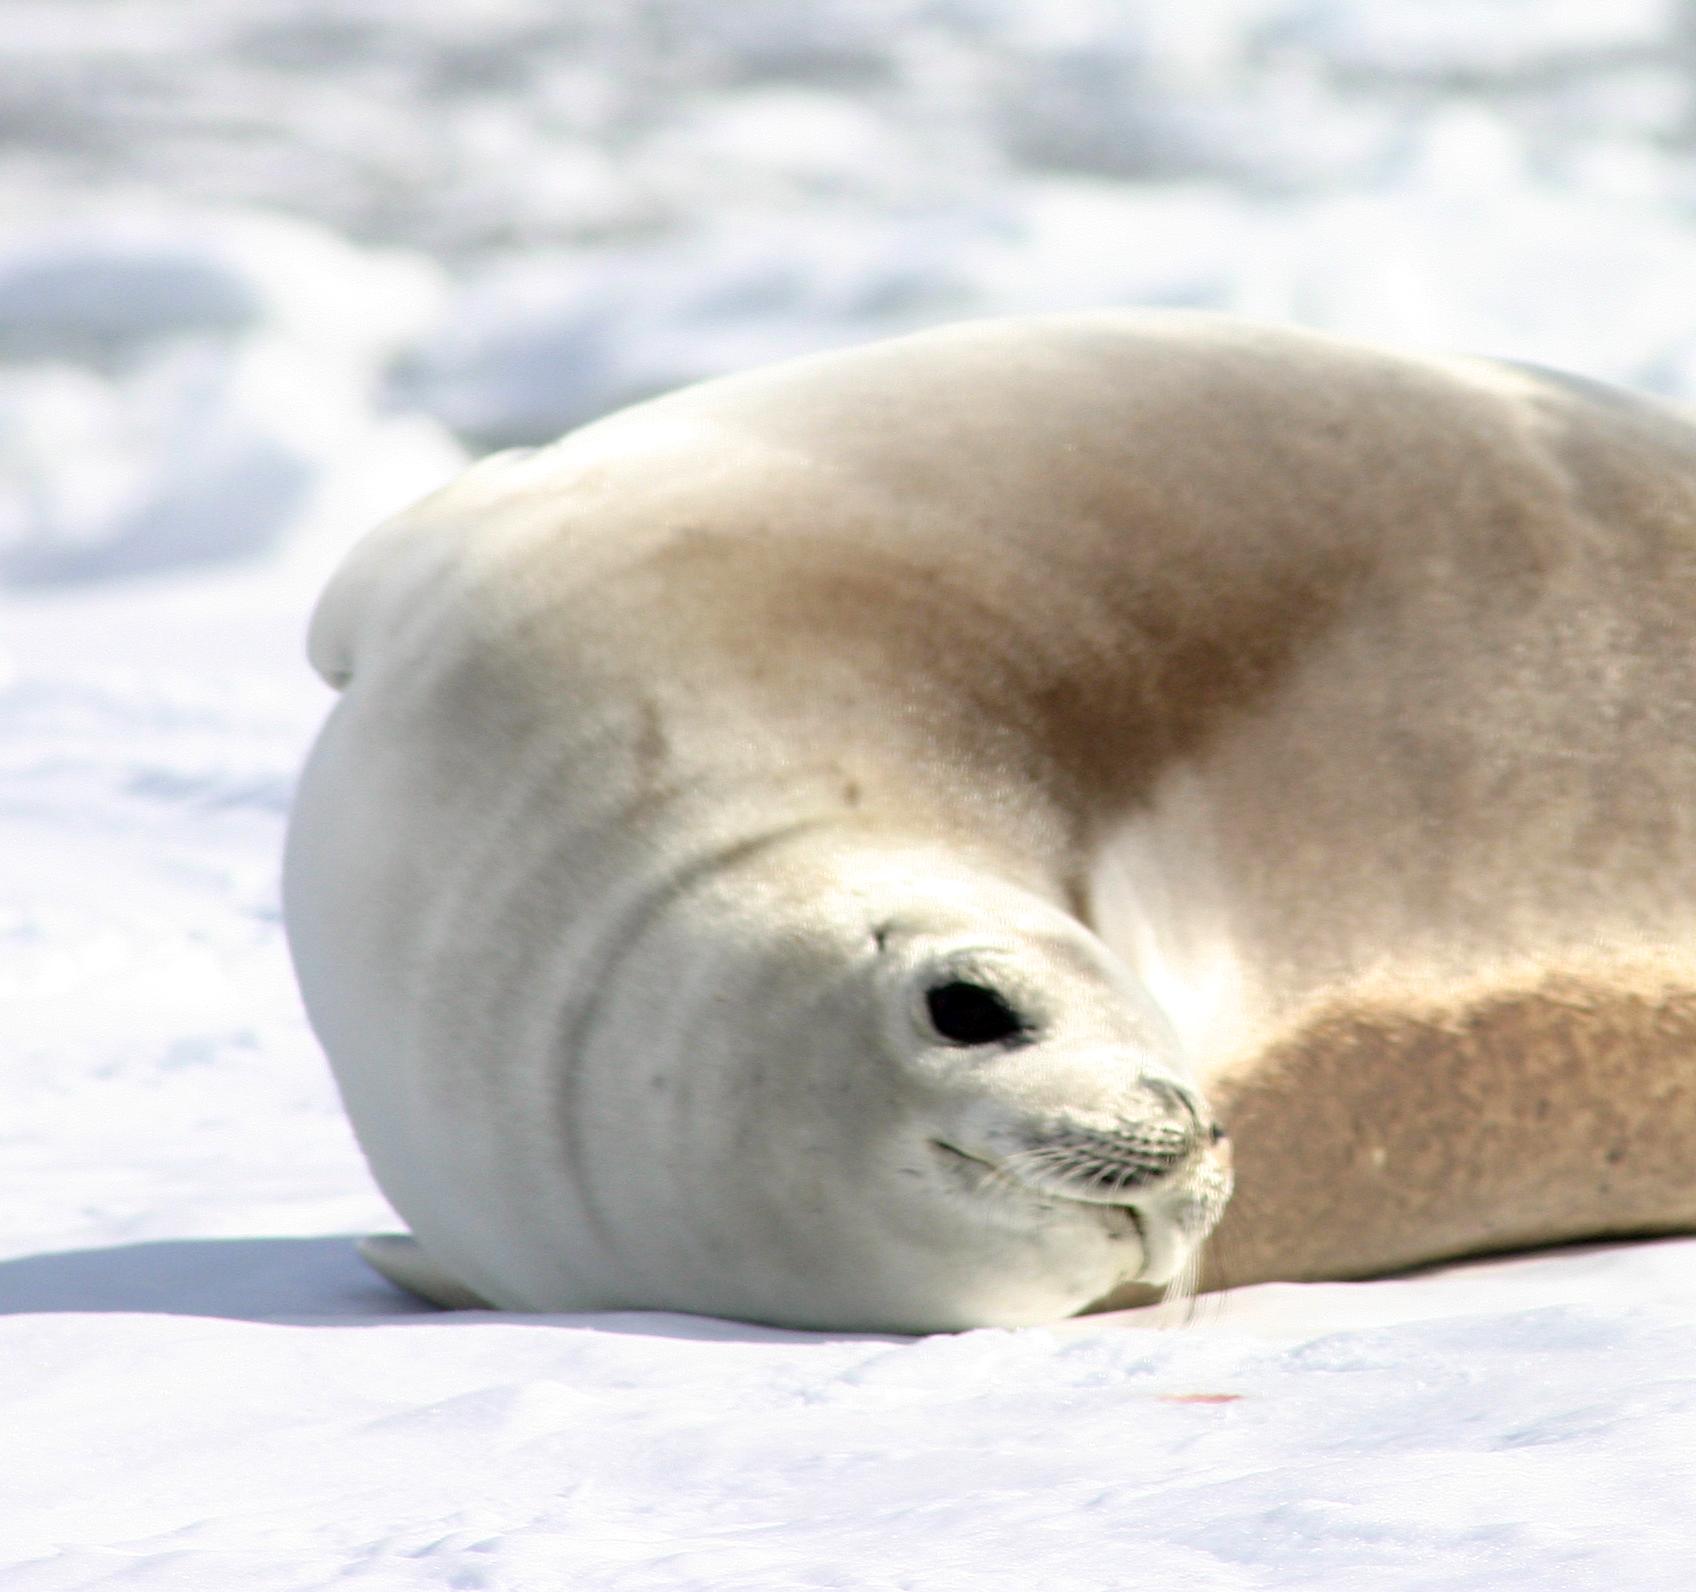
(1040, 1110)
(1054, 1096)
(984, 1121)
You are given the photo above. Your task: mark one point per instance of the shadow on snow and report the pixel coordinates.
(302, 1281)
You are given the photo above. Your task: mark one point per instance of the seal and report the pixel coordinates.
(831, 845)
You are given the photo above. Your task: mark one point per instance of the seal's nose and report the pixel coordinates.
(1165, 1128)
(1162, 1130)
(1175, 1104)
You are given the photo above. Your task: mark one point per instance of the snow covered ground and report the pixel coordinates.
(270, 269)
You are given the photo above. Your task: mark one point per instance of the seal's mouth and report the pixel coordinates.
(1171, 1207)
(962, 1163)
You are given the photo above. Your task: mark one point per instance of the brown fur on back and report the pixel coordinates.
(1377, 1135)
(1372, 1138)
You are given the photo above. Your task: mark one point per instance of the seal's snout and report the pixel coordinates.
(1107, 1167)
(1165, 1163)
(1155, 1137)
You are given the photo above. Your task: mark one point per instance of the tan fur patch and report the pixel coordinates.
(1371, 1138)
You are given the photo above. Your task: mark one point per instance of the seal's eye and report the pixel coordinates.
(972, 1014)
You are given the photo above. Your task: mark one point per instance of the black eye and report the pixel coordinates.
(970, 1014)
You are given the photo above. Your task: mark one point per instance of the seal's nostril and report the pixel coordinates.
(1215, 1133)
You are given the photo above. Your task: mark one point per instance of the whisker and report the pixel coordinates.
(1181, 1292)
(1104, 1166)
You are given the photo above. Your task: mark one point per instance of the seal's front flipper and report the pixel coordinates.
(402, 1260)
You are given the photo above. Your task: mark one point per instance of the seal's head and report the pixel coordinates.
(888, 1087)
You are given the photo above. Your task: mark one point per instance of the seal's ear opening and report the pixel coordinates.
(967, 1013)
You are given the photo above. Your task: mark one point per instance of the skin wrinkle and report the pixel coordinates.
(658, 791)
(577, 1023)
(524, 805)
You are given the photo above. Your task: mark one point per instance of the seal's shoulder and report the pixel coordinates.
(389, 567)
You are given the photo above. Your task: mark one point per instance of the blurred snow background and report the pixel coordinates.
(267, 271)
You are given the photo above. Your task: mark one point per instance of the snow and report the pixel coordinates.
(269, 270)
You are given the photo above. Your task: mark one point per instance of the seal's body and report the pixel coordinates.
(821, 846)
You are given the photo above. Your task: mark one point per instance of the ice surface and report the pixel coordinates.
(270, 269)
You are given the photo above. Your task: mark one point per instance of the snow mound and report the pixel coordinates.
(184, 390)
